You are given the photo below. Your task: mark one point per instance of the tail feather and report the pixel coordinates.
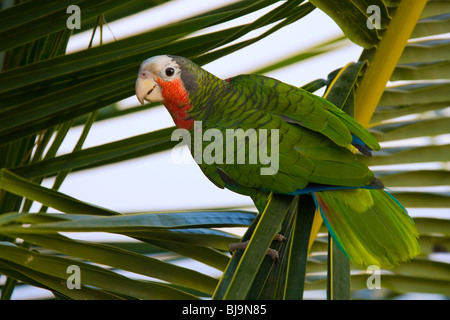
(369, 225)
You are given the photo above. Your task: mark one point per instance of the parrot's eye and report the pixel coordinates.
(170, 72)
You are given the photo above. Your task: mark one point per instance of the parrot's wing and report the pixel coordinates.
(299, 106)
(281, 156)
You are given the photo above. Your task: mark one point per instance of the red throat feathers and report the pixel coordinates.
(176, 100)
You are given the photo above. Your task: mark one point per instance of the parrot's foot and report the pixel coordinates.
(270, 252)
(279, 237)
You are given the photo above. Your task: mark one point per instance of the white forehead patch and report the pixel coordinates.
(158, 63)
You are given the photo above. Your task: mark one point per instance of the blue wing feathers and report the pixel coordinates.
(361, 146)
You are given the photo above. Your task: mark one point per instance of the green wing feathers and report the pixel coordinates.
(308, 110)
(370, 226)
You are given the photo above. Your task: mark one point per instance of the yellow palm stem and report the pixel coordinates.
(384, 60)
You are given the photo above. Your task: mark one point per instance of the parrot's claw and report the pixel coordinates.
(232, 247)
(270, 252)
(273, 254)
(279, 237)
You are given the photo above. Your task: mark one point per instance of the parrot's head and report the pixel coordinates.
(171, 80)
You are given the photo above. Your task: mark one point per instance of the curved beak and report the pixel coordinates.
(148, 89)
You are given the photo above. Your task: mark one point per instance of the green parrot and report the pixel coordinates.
(313, 149)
